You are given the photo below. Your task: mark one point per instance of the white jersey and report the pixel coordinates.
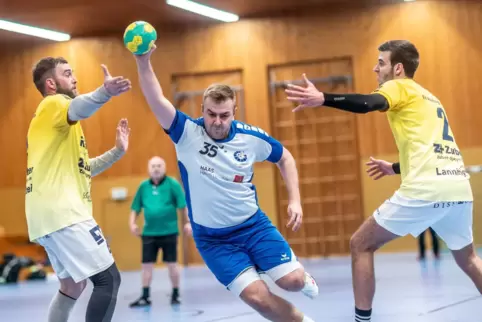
(217, 174)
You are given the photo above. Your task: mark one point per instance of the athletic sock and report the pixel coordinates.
(60, 307)
(145, 292)
(175, 291)
(363, 315)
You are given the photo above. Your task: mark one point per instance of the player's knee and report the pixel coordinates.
(358, 244)
(293, 282)
(257, 295)
(173, 268)
(354, 243)
(147, 267)
(71, 288)
(107, 281)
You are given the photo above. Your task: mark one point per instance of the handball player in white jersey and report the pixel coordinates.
(235, 238)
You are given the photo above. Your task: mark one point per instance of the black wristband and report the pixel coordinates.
(396, 167)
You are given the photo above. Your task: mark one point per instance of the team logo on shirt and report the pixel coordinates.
(240, 156)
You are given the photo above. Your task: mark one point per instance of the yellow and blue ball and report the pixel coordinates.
(139, 37)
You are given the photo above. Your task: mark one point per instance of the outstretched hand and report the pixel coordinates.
(379, 168)
(145, 57)
(307, 96)
(122, 135)
(115, 85)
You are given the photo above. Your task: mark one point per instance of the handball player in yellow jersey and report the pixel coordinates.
(57, 202)
(435, 190)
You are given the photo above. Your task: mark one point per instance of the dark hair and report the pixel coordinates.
(44, 69)
(403, 52)
(219, 93)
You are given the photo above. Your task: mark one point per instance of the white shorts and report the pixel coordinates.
(452, 221)
(78, 251)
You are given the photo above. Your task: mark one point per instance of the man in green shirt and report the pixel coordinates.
(160, 197)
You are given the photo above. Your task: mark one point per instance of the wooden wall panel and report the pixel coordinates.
(253, 44)
(447, 34)
(324, 145)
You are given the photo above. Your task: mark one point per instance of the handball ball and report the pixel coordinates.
(139, 37)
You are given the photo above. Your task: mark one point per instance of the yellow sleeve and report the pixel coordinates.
(393, 92)
(54, 111)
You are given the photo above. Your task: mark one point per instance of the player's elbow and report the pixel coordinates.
(371, 106)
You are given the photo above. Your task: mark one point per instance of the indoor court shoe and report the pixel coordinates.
(141, 302)
(311, 288)
(175, 299)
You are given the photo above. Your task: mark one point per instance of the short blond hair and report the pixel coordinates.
(219, 93)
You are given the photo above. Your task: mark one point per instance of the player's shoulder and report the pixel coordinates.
(53, 101)
(249, 130)
(194, 121)
(145, 183)
(174, 183)
(172, 180)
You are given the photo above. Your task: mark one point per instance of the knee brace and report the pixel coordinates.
(104, 296)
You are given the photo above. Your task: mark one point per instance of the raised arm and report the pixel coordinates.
(159, 104)
(309, 96)
(83, 106)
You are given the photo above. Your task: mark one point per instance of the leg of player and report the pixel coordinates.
(455, 229)
(79, 252)
(435, 243)
(421, 246)
(65, 299)
(150, 250)
(234, 268)
(174, 276)
(272, 254)
(104, 296)
(169, 256)
(270, 306)
(366, 240)
(297, 281)
(470, 263)
(147, 269)
(144, 300)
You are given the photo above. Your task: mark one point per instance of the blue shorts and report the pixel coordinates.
(255, 243)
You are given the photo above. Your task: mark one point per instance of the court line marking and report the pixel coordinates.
(451, 305)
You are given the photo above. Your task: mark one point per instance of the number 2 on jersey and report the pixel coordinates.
(445, 135)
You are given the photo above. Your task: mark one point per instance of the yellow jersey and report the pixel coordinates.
(431, 164)
(58, 172)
